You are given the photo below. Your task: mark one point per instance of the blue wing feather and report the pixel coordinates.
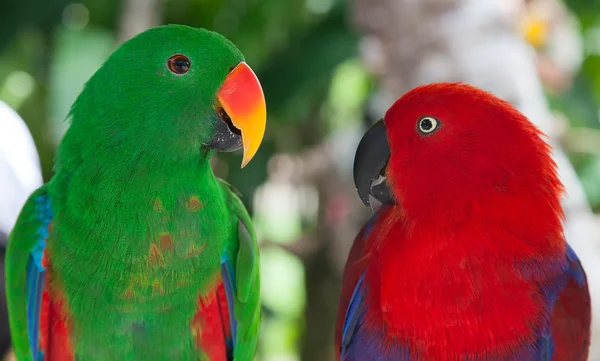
(543, 349)
(354, 312)
(575, 269)
(571, 271)
(359, 343)
(228, 274)
(36, 276)
(355, 307)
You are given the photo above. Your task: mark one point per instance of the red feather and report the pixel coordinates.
(444, 299)
(212, 324)
(54, 330)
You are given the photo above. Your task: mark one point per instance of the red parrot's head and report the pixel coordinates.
(450, 148)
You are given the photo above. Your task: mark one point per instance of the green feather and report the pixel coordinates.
(22, 239)
(247, 303)
(140, 221)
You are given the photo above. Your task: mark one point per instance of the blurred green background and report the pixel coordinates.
(298, 187)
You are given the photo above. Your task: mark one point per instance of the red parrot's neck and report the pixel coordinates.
(466, 285)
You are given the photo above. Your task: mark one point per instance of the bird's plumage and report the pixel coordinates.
(214, 330)
(469, 261)
(134, 250)
(361, 333)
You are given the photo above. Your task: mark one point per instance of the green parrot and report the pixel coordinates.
(134, 250)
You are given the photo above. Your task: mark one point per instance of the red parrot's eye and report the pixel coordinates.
(427, 125)
(179, 64)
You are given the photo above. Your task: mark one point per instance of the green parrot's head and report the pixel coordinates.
(174, 92)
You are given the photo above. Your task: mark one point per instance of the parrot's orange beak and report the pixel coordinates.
(242, 98)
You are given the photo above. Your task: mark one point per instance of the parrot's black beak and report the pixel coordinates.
(227, 138)
(370, 163)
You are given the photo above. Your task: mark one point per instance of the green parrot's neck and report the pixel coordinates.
(138, 239)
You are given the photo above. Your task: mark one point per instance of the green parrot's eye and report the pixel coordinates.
(179, 64)
(427, 125)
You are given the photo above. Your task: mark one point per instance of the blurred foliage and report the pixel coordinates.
(580, 103)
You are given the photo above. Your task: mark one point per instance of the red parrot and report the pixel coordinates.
(466, 258)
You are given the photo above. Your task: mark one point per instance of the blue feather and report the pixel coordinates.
(354, 312)
(228, 274)
(543, 349)
(36, 276)
(577, 271)
(358, 343)
(356, 301)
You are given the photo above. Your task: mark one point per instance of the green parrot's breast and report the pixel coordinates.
(132, 259)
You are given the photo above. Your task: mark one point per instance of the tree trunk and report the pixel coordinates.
(409, 43)
(138, 16)
(324, 252)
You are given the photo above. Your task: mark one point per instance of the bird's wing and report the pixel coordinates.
(240, 269)
(356, 339)
(571, 314)
(25, 275)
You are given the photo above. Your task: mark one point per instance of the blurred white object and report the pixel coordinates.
(20, 172)
(414, 42)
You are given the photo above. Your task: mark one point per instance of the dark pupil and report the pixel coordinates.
(181, 65)
(426, 124)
